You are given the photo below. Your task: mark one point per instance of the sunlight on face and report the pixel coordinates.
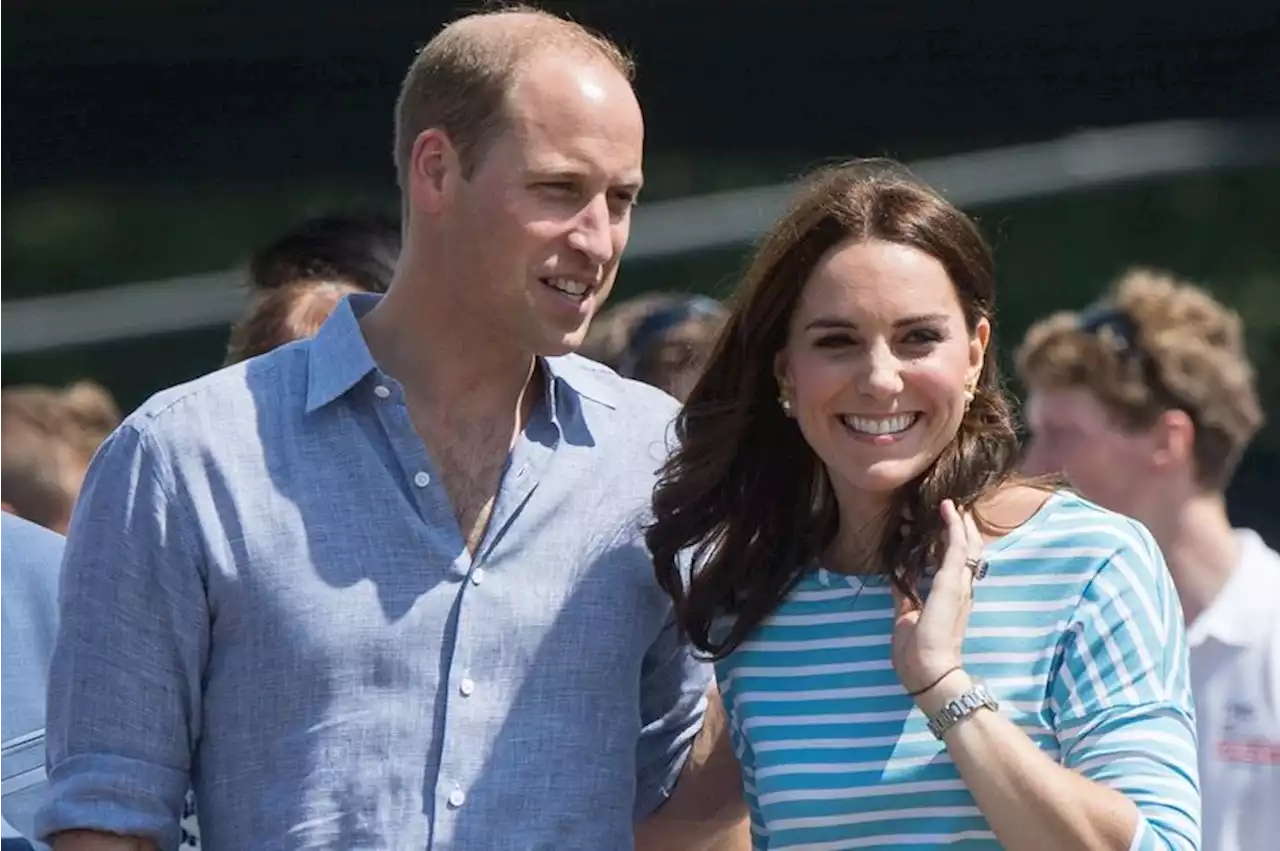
(877, 362)
(538, 231)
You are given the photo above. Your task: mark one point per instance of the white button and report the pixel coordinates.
(421, 479)
(457, 798)
(467, 686)
(477, 576)
(381, 392)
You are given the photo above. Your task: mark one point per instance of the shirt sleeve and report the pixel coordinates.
(673, 700)
(125, 677)
(1121, 696)
(747, 762)
(31, 555)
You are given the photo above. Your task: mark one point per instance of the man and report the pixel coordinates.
(31, 555)
(1147, 402)
(387, 588)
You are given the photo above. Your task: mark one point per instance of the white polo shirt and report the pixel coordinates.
(1235, 678)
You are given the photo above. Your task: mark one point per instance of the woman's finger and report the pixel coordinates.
(973, 534)
(957, 551)
(902, 604)
(976, 563)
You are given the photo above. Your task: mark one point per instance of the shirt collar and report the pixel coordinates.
(583, 378)
(339, 359)
(1245, 603)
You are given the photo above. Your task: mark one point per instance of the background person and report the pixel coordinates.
(1146, 400)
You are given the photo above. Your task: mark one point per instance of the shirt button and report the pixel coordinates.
(421, 479)
(467, 686)
(381, 392)
(457, 798)
(477, 576)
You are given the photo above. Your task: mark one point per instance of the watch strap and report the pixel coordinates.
(960, 708)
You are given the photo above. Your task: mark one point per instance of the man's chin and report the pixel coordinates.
(565, 343)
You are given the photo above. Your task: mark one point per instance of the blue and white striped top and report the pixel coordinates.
(1076, 630)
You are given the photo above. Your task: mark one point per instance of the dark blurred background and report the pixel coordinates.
(150, 145)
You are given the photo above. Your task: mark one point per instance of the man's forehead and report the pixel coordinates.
(1065, 406)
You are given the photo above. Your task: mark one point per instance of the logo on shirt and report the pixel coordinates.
(1240, 741)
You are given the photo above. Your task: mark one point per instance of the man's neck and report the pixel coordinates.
(443, 362)
(1199, 546)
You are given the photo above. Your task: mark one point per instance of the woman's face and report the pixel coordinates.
(877, 364)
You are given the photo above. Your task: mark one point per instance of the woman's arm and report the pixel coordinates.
(1121, 705)
(1030, 801)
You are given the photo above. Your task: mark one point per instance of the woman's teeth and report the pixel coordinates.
(880, 425)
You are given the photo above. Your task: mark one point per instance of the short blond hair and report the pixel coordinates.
(1154, 344)
(47, 437)
(460, 80)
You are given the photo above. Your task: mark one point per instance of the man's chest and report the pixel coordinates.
(468, 456)
(1237, 697)
(382, 583)
(1238, 729)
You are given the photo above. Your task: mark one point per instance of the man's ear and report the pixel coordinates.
(433, 166)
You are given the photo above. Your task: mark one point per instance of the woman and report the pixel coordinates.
(849, 434)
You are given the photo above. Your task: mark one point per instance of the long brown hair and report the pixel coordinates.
(743, 493)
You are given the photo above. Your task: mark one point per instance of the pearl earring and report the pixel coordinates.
(784, 403)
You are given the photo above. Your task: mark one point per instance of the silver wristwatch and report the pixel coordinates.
(962, 707)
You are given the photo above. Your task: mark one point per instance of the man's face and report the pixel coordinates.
(1072, 433)
(536, 233)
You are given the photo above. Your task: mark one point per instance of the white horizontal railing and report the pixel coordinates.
(1078, 161)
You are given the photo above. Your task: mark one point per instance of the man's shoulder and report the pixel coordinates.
(630, 400)
(237, 394)
(1259, 576)
(27, 547)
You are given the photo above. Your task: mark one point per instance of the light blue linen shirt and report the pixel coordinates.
(266, 592)
(31, 555)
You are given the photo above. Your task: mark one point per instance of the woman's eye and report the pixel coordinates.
(923, 336)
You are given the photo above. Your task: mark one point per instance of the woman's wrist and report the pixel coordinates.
(955, 683)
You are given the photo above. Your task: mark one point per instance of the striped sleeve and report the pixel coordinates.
(1121, 695)
(746, 762)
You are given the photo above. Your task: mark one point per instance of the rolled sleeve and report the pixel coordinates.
(125, 676)
(673, 700)
(1122, 697)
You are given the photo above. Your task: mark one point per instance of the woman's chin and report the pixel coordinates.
(884, 477)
